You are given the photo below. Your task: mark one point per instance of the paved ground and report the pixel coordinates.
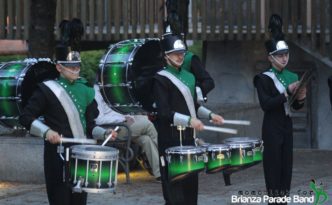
(308, 164)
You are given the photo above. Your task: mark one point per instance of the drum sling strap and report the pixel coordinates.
(69, 107)
(184, 91)
(280, 88)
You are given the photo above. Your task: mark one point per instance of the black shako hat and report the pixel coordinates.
(66, 57)
(276, 47)
(172, 43)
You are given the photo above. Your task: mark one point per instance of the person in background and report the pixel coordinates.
(142, 129)
(68, 107)
(275, 87)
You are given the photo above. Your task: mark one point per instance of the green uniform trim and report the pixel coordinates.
(186, 65)
(184, 76)
(81, 95)
(285, 76)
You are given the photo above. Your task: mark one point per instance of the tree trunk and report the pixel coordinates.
(41, 31)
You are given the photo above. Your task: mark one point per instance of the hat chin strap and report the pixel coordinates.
(172, 62)
(278, 62)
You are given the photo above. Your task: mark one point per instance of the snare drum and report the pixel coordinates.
(125, 74)
(241, 153)
(218, 158)
(18, 80)
(93, 168)
(257, 143)
(184, 160)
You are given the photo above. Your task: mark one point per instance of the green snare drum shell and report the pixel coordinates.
(183, 161)
(96, 166)
(258, 147)
(106, 170)
(241, 153)
(218, 158)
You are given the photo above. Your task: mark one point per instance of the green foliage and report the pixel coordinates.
(197, 48)
(11, 58)
(90, 62)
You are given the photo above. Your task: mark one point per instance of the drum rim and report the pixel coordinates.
(109, 153)
(191, 150)
(216, 147)
(241, 145)
(254, 140)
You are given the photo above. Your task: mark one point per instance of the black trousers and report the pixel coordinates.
(278, 164)
(181, 192)
(58, 192)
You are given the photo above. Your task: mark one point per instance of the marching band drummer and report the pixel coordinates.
(274, 87)
(193, 64)
(174, 92)
(69, 109)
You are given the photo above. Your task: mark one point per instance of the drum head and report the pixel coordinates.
(254, 140)
(217, 147)
(94, 152)
(233, 145)
(126, 74)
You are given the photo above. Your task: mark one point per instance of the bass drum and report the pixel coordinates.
(18, 80)
(125, 74)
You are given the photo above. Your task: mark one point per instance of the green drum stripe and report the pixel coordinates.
(241, 156)
(6, 104)
(93, 175)
(258, 155)
(115, 76)
(212, 164)
(7, 88)
(177, 168)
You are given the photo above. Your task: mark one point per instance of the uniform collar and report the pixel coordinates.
(173, 70)
(66, 81)
(276, 70)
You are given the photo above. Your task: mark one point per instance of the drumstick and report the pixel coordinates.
(110, 136)
(219, 129)
(237, 122)
(78, 141)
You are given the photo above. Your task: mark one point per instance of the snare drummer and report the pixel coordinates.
(69, 109)
(193, 64)
(274, 87)
(175, 97)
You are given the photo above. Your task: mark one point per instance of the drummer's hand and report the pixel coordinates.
(111, 131)
(302, 94)
(217, 119)
(53, 137)
(196, 124)
(293, 86)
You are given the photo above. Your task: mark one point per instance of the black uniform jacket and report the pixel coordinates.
(203, 78)
(170, 100)
(329, 82)
(276, 124)
(45, 103)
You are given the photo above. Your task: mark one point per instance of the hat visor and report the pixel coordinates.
(280, 52)
(176, 51)
(70, 64)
